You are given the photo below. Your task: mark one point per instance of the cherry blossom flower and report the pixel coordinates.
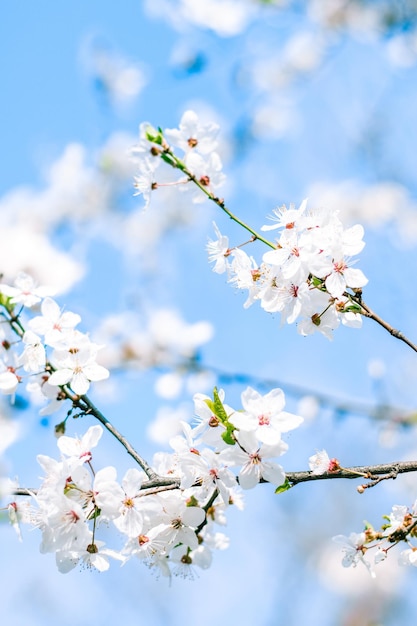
(25, 291)
(93, 556)
(244, 273)
(218, 251)
(286, 218)
(33, 357)
(215, 476)
(40, 390)
(144, 182)
(53, 324)
(252, 458)
(319, 463)
(77, 368)
(130, 520)
(207, 170)
(338, 275)
(264, 415)
(354, 550)
(9, 380)
(146, 545)
(192, 135)
(397, 517)
(408, 557)
(180, 520)
(64, 524)
(81, 448)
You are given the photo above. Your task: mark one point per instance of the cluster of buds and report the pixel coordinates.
(400, 526)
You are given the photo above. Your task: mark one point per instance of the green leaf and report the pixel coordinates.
(218, 408)
(284, 487)
(210, 404)
(153, 135)
(5, 301)
(317, 282)
(352, 307)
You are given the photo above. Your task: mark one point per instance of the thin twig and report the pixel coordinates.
(88, 408)
(220, 202)
(393, 331)
(366, 311)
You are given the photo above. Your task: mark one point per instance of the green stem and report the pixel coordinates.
(220, 203)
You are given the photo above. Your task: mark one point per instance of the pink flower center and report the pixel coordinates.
(339, 267)
(263, 420)
(73, 517)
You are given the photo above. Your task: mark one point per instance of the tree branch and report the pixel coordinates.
(85, 405)
(373, 473)
(369, 472)
(88, 408)
(367, 312)
(220, 202)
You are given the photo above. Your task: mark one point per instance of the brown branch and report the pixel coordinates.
(156, 485)
(369, 472)
(387, 470)
(88, 408)
(367, 312)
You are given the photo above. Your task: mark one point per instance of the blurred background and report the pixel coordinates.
(314, 99)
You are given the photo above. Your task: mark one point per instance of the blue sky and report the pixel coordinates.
(352, 118)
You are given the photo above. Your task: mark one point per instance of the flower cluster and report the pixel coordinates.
(166, 513)
(197, 143)
(306, 275)
(168, 522)
(400, 526)
(55, 353)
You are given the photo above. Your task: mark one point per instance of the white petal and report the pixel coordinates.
(60, 377)
(273, 473)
